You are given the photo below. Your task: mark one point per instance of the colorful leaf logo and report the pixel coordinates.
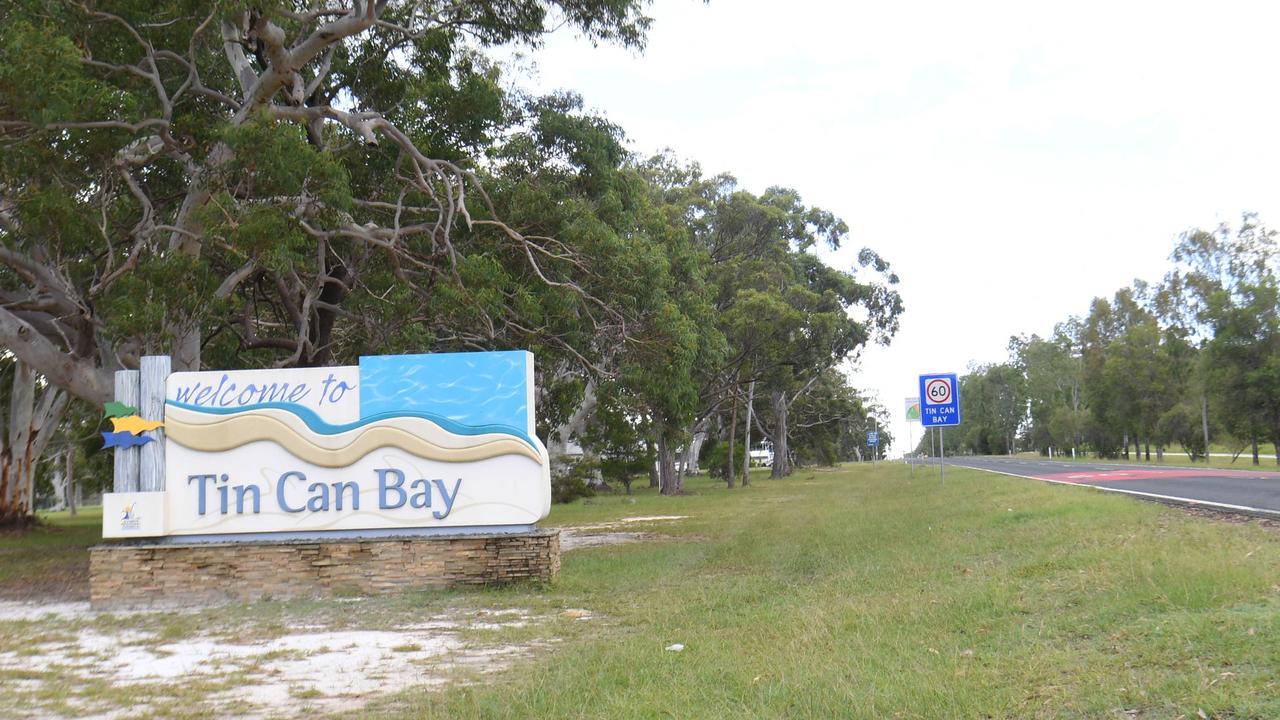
(134, 424)
(118, 409)
(124, 440)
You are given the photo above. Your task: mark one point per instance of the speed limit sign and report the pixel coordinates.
(940, 396)
(938, 391)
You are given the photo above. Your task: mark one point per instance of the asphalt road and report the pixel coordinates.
(1250, 491)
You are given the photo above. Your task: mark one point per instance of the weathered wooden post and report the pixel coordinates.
(126, 458)
(154, 371)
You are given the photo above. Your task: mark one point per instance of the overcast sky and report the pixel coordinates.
(1012, 160)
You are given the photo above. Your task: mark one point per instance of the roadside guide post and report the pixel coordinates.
(940, 408)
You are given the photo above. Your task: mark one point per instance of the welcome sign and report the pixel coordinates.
(396, 442)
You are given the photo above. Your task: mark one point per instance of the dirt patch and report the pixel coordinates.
(624, 522)
(304, 673)
(572, 539)
(577, 537)
(67, 580)
(1270, 524)
(29, 611)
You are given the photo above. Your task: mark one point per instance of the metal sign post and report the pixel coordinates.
(940, 407)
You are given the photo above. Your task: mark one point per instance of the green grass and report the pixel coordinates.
(860, 593)
(51, 555)
(870, 594)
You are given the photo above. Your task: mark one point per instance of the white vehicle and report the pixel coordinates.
(762, 456)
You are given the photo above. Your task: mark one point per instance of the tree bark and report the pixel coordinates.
(667, 478)
(73, 491)
(746, 436)
(1204, 424)
(781, 463)
(574, 426)
(694, 448)
(76, 375)
(653, 467)
(733, 431)
(1254, 440)
(30, 425)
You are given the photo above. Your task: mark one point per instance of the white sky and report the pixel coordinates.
(1012, 160)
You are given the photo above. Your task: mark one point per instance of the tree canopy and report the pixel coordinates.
(1175, 364)
(292, 184)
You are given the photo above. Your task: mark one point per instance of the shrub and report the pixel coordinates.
(573, 482)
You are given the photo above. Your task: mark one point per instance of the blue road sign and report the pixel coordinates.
(939, 400)
(873, 438)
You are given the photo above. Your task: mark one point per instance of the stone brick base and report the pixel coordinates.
(128, 576)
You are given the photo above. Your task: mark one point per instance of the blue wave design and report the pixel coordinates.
(479, 388)
(318, 425)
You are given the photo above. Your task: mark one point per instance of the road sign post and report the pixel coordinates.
(940, 408)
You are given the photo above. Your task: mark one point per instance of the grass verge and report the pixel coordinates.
(864, 593)
(867, 593)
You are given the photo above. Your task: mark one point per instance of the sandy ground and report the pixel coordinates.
(583, 536)
(309, 671)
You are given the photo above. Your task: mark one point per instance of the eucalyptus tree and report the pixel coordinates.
(1228, 278)
(993, 402)
(292, 184)
(787, 316)
(194, 177)
(1053, 371)
(1121, 345)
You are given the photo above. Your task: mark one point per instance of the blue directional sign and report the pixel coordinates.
(939, 400)
(873, 438)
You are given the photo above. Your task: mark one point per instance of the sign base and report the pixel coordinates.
(135, 575)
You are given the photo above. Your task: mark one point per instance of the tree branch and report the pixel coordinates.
(80, 377)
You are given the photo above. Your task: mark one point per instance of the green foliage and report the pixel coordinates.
(574, 483)
(43, 81)
(1162, 365)
(715, 458)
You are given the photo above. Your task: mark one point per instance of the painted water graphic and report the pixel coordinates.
(451, 407)
(472, 389)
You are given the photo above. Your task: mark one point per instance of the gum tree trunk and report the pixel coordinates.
(30, 425)
(781, 464)
(73, 490)
(733, 431)
(668, 479)
(694, 448)
(653, 467)
(1204, 426)
(746, 436)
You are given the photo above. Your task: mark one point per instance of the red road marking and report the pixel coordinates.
(1118, 474)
